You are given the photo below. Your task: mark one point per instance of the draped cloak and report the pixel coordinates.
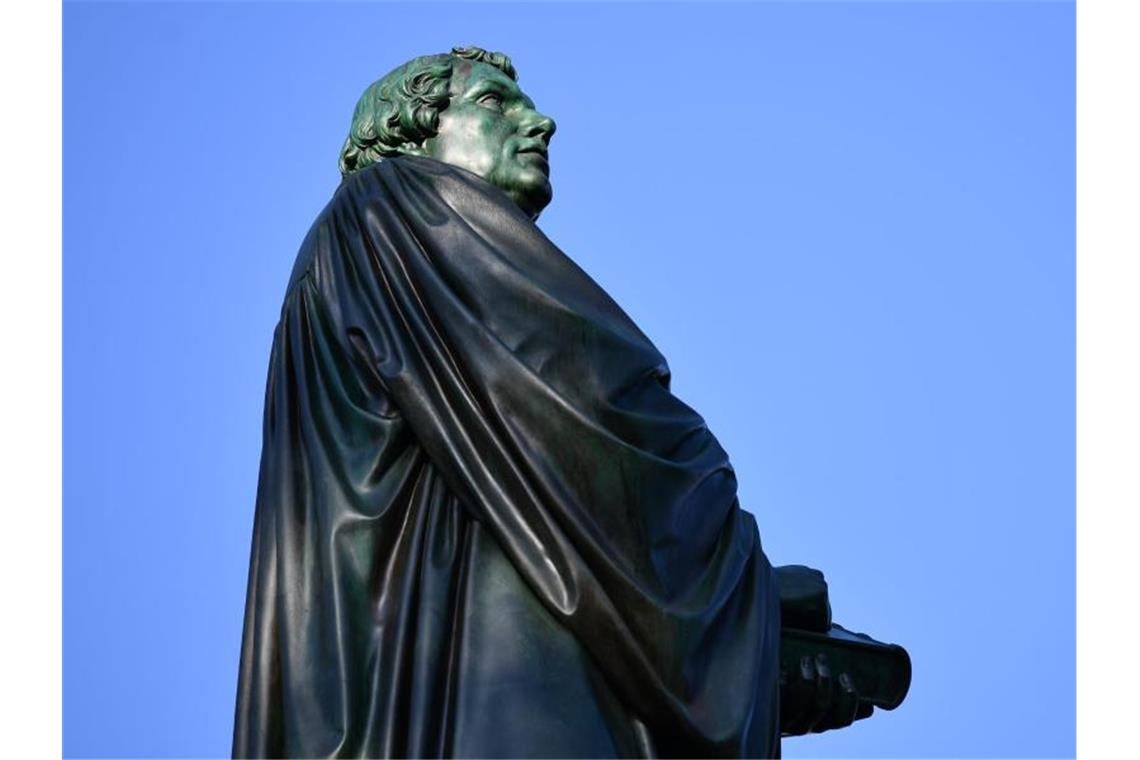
(484, 525)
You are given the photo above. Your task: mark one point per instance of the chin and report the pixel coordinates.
(534, 195)
(534, 204)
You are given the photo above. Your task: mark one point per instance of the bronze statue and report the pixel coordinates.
(484, 525)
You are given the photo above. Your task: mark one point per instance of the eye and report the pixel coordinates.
(492, 100)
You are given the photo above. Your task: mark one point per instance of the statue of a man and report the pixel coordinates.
(484, 525)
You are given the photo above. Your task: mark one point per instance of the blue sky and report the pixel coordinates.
(848, 226)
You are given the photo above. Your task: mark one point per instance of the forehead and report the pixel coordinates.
(473, 78)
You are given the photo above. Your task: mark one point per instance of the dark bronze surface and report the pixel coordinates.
(484, 525)
(829, 676)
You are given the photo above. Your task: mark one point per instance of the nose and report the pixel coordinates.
(539, 125)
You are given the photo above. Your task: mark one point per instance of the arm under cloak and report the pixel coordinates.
(548, 414)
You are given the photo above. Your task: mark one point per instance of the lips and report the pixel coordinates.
(534, 146)
(538, 150)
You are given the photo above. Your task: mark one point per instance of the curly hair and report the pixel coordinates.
(399, 112)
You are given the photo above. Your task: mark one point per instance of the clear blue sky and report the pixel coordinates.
(849, 227)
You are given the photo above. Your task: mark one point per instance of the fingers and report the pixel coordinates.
(844, 705)
(798, 698)
(813, 700)
(824, 692)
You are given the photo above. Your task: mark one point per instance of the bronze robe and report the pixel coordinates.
(484, 526)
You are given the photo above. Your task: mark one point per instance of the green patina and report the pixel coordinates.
(464, 108)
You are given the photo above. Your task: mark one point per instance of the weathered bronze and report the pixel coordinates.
(464, 109)
(484, 525)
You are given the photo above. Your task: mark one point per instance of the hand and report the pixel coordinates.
(813, 700)
(804, 602)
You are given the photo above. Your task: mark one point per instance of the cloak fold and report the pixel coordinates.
(484, 526)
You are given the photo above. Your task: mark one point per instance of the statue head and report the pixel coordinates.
(464, 108)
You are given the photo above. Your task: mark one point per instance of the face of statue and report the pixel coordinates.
(491, 128)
